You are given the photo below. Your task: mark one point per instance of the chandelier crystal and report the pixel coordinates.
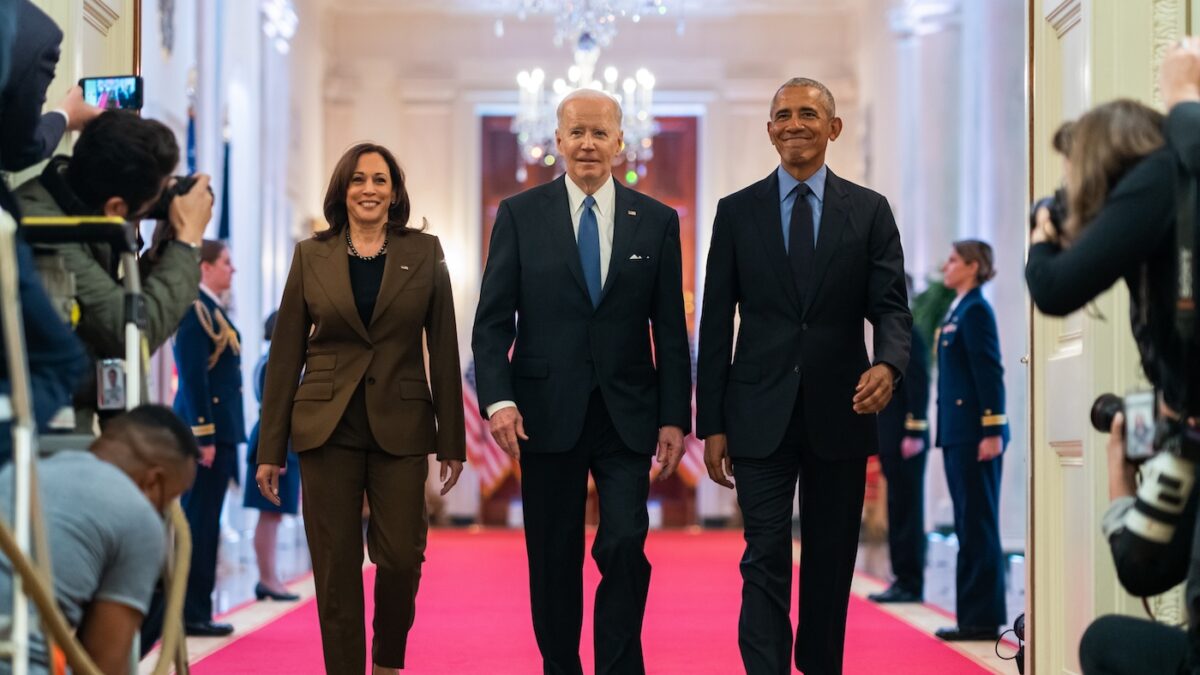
(536, 118)
(584, 23)
(279, 23)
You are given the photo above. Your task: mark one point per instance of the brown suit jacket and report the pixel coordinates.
(319, 334)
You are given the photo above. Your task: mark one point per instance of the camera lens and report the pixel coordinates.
(1104, 409)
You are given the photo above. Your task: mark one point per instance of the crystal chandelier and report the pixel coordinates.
(536, 118)
(584, 23)
(279, 23)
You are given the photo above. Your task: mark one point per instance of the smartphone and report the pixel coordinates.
(1139, 426)
(113, 93)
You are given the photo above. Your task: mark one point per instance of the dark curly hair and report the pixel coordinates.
(120, 154)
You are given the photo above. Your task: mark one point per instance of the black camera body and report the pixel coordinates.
(162, 208)
(1146, 434)
(1056, 204)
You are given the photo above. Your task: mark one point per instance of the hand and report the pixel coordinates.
(1044, 230)
(990, 448)
(191, 211)
(208, 453)
(79, 112)
(1179, 76)
(670, 450)
(911, 446)
(1122, 474)
(716, 458)
(507, 427)
(874, 389)
(451, 470)
(267, 478)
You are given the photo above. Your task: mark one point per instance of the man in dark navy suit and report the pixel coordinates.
(208, 357)
(804, 257)
(585, 276)
(903, 454)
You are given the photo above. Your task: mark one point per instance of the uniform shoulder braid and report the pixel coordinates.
(217, 327)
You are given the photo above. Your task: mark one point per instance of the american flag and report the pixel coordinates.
(489, 461)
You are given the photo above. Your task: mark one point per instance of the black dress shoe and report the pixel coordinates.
(207, 629)
(895, 594)
(262, 593)
(964, 633)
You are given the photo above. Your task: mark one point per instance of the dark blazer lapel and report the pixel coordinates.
(833, 225)
(770, 228)
(399, 266)
(331, 267)
(625, 220)
(561, 231)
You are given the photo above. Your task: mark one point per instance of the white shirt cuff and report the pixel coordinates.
(499, 405)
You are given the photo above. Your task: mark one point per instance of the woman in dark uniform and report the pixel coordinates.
(972, 430)
(266, 532)
(362, 301)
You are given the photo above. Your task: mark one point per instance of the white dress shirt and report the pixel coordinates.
(606, 206)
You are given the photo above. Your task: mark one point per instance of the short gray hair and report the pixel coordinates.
(594, 94)
(826, 95)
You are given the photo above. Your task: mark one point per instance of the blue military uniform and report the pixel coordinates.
(905, 416)
(970, 408)
(208, 358)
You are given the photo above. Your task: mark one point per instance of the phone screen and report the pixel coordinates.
(1139, 425)
(113, 93)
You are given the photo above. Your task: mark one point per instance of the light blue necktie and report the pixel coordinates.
(589, 249)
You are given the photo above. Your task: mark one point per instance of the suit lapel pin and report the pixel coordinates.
(404, 267)
(632, 213)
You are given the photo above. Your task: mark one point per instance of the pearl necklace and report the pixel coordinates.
(354, 252)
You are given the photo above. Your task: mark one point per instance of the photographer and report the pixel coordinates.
(1126, 170)
(1120, 218)
(121, 166)
(1152, 549)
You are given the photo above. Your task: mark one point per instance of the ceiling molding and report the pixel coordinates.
(100, 15)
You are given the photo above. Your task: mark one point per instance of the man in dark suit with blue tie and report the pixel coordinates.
(804, 257)
(585, 276)
(208, 356)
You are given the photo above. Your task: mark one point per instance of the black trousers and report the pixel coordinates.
(202, 506)
(1123, 645)
(831, 501)
(975, 491)
(906, 517)
(554, 489)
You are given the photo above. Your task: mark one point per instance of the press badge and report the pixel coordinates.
(110, 384)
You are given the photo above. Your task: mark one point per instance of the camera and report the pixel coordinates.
(162, 208)
(1140, 428)
(1056, 204)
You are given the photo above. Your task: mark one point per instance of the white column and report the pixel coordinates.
(993, 206)
(929, 49)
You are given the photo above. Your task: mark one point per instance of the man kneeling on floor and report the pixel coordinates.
(103, 512)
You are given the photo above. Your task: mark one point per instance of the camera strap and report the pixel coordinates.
(1185, 272)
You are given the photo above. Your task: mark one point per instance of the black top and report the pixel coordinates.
(366, 276)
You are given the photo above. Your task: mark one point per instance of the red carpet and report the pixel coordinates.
(473, 617)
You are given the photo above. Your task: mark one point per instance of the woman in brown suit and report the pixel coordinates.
(359, 298)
